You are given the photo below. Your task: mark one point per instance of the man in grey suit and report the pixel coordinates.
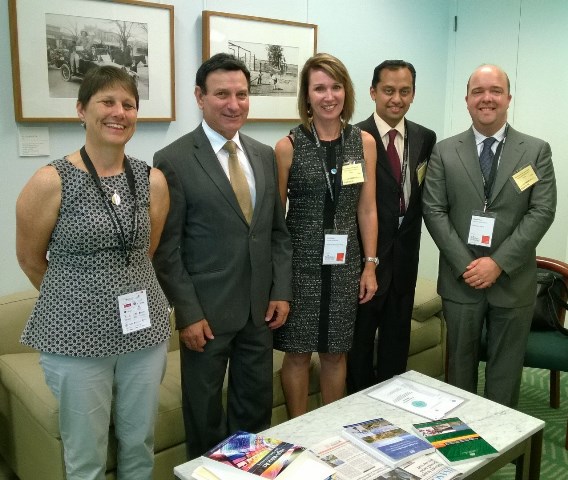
(224, 265)
(489, 198)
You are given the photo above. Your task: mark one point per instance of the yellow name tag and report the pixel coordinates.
(421, 172)
(525, 178)
(352, 173)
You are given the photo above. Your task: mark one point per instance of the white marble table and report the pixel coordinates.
(514, 434)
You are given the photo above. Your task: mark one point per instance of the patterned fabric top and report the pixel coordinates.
(77, 311)
(324, 304)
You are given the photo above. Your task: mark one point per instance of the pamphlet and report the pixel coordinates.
(351, 463)
(416, 398)
(385, 441)
(455, 440)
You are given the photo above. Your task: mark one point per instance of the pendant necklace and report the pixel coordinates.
(115, 197)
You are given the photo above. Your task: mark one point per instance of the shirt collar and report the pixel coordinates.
(217, 140)
(384, 128)
(498, 135)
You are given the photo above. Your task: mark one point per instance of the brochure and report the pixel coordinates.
(351, 463)
(455, 440)
(385, 441)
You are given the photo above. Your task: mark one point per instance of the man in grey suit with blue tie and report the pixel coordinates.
(224, 260)
(489, 198)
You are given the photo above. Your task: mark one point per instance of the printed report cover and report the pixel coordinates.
(455, 440)
(386, 441)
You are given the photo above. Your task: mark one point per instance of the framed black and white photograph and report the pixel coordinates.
(54, 44)
(273, 50)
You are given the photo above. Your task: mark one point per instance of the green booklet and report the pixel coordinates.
(455, 440)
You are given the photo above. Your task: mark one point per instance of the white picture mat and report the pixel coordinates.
(32, 44)
(256, 31)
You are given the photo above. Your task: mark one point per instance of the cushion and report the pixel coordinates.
(427, 302)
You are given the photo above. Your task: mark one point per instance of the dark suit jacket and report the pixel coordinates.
(398, 248)
(210, 263)
(454, 189)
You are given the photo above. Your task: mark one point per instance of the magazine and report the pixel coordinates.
(246, 455)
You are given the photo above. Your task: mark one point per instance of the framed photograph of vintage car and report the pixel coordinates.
(274, 52)
(54, 44)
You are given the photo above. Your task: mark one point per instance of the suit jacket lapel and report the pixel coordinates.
(467, 153)
(382, 160)
(511, 156)
(260, 182)
(206, 157)
(415, 141)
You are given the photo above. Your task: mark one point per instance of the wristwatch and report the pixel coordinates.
(374, 260)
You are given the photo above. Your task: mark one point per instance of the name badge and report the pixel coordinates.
(481, 229)
(334, 249)
(421, 172)
(525, 178)
(352, 173)
(134, 313)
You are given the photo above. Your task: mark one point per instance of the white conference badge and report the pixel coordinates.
(481, 229)
(334, 248)
(134, 313)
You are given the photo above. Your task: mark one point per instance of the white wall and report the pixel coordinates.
(361, 32)
(526, 37)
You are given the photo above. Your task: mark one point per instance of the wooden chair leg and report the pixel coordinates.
(554, 388)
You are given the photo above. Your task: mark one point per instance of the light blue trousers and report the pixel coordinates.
(85, 388)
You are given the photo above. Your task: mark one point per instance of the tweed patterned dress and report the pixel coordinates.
(77, 311)
(324, 305)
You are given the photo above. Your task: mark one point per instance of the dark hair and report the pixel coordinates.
(336, 70)
(220, 61)
(393, 65)
(99, 78)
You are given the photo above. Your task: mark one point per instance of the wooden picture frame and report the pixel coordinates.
(273, 50)
(53, 48)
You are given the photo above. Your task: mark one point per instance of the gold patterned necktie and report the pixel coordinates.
(238, 180)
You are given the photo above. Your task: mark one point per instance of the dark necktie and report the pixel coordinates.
(393, 157)
(486, 157)
(394, 161)
(238, 180)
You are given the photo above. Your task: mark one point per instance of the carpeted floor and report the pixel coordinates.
(534, 401)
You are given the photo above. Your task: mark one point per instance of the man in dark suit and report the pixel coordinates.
(489, 197)
(224, 260)
(399, 207)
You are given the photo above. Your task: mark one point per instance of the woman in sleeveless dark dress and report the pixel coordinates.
(326, 171)
(87, 225)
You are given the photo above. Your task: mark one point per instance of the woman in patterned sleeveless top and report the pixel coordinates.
(87, 225)
(326, 171)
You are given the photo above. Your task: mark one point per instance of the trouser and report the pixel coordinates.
(248, 353)
(84, 387)
(507, 335)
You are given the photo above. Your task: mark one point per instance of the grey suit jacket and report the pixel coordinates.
(454, 189)
(210, 262)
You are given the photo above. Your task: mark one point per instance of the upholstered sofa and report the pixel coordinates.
(30, 443)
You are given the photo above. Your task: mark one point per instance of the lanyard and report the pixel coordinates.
(109, 207)
(405, 157)
(335, 171)
(490, 180)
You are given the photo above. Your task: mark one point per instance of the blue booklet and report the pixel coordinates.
(387, 442)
